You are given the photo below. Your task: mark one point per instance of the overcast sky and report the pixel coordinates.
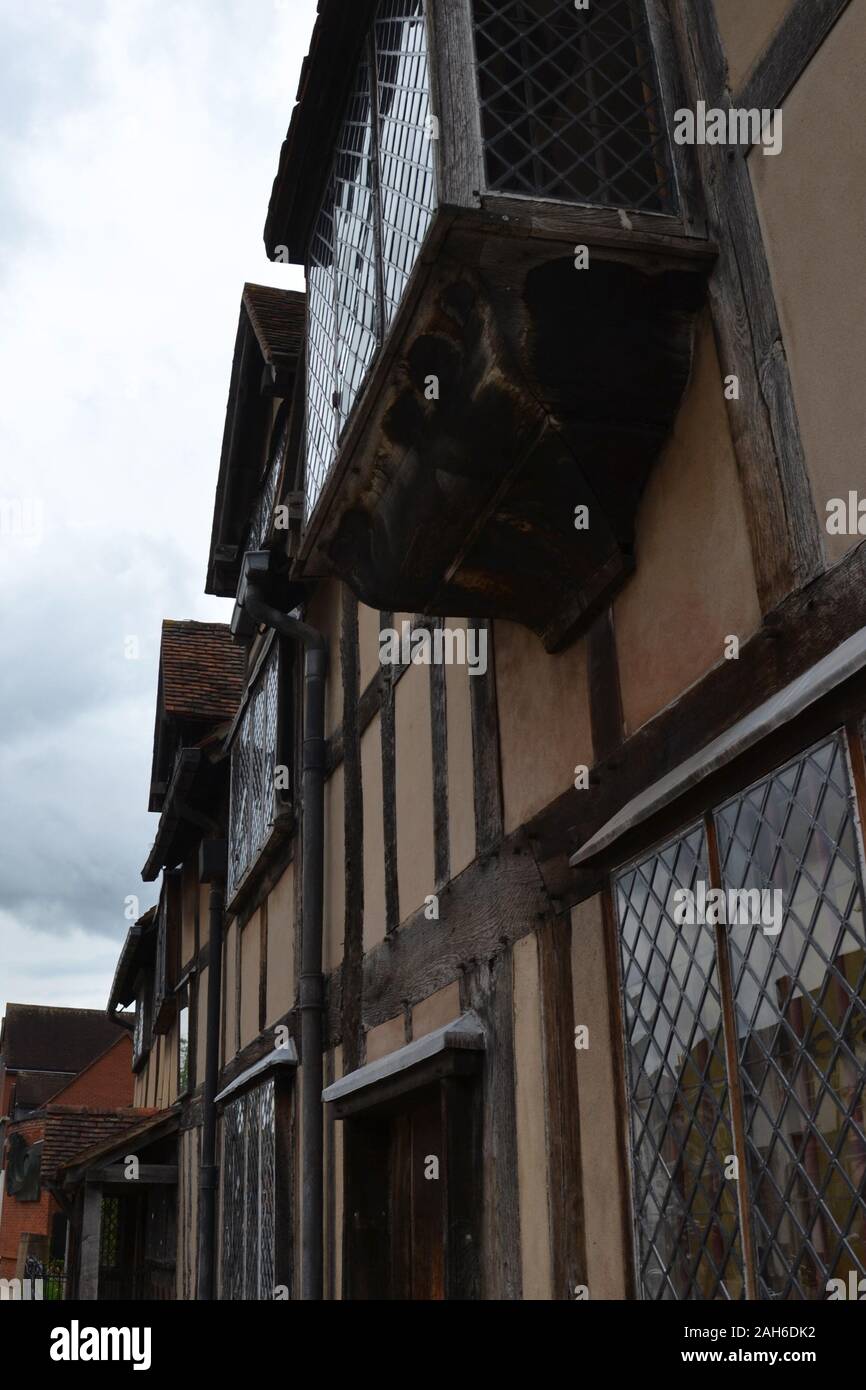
(138, 143)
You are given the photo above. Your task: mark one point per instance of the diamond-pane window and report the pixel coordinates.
(686, 1213)
(406, 176)
(376, 210)
(570, 107)
(249, 1196)
(253, 769)
(791, 926)
(800, 1000)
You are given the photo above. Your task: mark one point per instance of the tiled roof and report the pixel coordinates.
(39, 1038)
(72, 1130)
(277, 317)
(132, 1126)
(202, 670)
(33, 1088)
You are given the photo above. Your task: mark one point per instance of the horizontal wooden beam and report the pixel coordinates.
(148, 1174)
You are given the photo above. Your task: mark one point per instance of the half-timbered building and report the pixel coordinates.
(543, 950)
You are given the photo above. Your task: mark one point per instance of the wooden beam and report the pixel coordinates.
(784, 531)
(486, 769)
(568, 1222)
(791, 50)
(389, 790)
(353, 834)
(672, 91)
(148, 1174)
(495, 901)
(490, 993)
(455, 104)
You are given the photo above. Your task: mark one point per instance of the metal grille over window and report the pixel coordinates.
(253, 767)
(686, 1213)
(406, 174)
(569, 103)
(800, 1003)
(249, 1196)
(375, 214)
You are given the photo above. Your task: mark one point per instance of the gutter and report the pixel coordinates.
(312, 986)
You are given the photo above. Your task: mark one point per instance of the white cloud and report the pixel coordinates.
(138, 143)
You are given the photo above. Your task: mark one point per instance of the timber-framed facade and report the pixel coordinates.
(582, 398)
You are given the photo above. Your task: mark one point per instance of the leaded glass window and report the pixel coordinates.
(253, 772)
(569, 103)
(377, 207)
(249, 1195)
(264, 510)
(776, 981)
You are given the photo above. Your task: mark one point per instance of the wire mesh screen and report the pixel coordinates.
(569, 103)
(253, 768)
(376, 211)
(249, 1195)
(408, 187)
(686, 1212)
(800, 1000)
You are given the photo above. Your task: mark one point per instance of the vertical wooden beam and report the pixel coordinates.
(389, 790)
(490, 993)
(353, 833)
(487, 771)
(330, 1188)
(455, 102)
(263, 964)
(672, 93)
(605, 699)
(568, 1222)
(439, 731)
(784, 531)
(91, 1240)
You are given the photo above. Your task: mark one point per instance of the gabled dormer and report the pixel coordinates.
(503, 270)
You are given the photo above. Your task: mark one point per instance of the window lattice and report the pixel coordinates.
(569, 103)
(800, 1000)
(253, 767)
(792, 924)
(406, 172)
(249, 1195)
(688, 1231)
(263, 514)
(374, 216)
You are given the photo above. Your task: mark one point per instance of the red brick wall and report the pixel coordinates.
(107, 1084)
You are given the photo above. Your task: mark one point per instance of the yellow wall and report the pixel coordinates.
(251, 955)
(813, 213)
(746, 27)
(543, 720)
(281, 948)
(461, 802)
(414, 757)
(335, 872)
(694, 585)
(374, 834)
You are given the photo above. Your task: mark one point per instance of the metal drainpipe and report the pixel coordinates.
(312, 989)
(209, 1173)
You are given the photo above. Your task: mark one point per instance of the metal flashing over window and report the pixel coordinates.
(452, 1048)
(278, 1060)
(781, 708)
(570, 104)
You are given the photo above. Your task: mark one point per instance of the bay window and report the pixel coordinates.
(258, 791)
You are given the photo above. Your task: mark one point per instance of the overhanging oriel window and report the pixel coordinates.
(570, 105)
(375, 213)
(783, 994)
(254, 762)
